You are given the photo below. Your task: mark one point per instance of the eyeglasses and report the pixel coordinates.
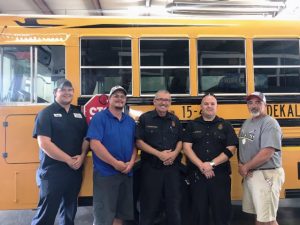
(163, 99)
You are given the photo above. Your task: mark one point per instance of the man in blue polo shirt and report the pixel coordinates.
(60, 130)
(111, 135)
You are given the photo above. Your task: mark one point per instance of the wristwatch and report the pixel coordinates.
(212, 163)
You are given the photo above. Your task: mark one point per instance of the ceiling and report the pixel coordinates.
(169, 8)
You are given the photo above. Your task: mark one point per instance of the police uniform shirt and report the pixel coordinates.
(66, 130)
(209, 139)
(162, 133)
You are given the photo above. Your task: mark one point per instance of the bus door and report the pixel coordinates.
(19, 146)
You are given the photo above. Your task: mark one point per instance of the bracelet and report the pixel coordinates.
(212, 163)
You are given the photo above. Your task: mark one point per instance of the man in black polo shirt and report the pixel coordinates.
(60, 130)
(209, 142)
(159, 136)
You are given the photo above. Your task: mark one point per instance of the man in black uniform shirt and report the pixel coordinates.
(209, 142)
(60, 130)
(159, 136)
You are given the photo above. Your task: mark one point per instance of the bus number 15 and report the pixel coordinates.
(187, 111)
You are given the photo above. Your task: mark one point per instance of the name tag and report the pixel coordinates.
(57, 115)
(152, 126)
(77, 115)
(197, 131)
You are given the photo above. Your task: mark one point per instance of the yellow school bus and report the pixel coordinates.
(188, 57)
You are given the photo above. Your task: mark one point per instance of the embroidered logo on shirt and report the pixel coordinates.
(57, 115)
(247, 136)
(77, 115)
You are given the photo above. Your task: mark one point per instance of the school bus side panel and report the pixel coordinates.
(19, 159)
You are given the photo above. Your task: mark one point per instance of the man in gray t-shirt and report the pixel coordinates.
(260, 161)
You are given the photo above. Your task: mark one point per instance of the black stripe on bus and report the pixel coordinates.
(293, 193)
(298, 170)
(237, 123)
(188, 100)
(289, 142)
(289, 122)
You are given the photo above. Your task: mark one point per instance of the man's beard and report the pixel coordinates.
(255, 113)
(119, 108)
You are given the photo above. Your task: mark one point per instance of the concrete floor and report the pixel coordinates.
(288, 214)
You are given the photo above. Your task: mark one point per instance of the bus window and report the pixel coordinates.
(15, 74)
(21, 82)
(277, 65)
(105, 63)
(221, 66)
(50, 68)
(164, 65)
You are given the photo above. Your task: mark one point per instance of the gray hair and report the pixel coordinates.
(161, 91)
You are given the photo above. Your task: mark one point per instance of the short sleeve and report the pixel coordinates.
(187, 133)
(178, 123)
(271, 135)
(231, 136)
(42, 124)
(96, 127)
(140, 128)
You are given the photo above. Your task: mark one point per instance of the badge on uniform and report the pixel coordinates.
(173, 124)
(57, 115)
(220, 126)
(77, 115)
